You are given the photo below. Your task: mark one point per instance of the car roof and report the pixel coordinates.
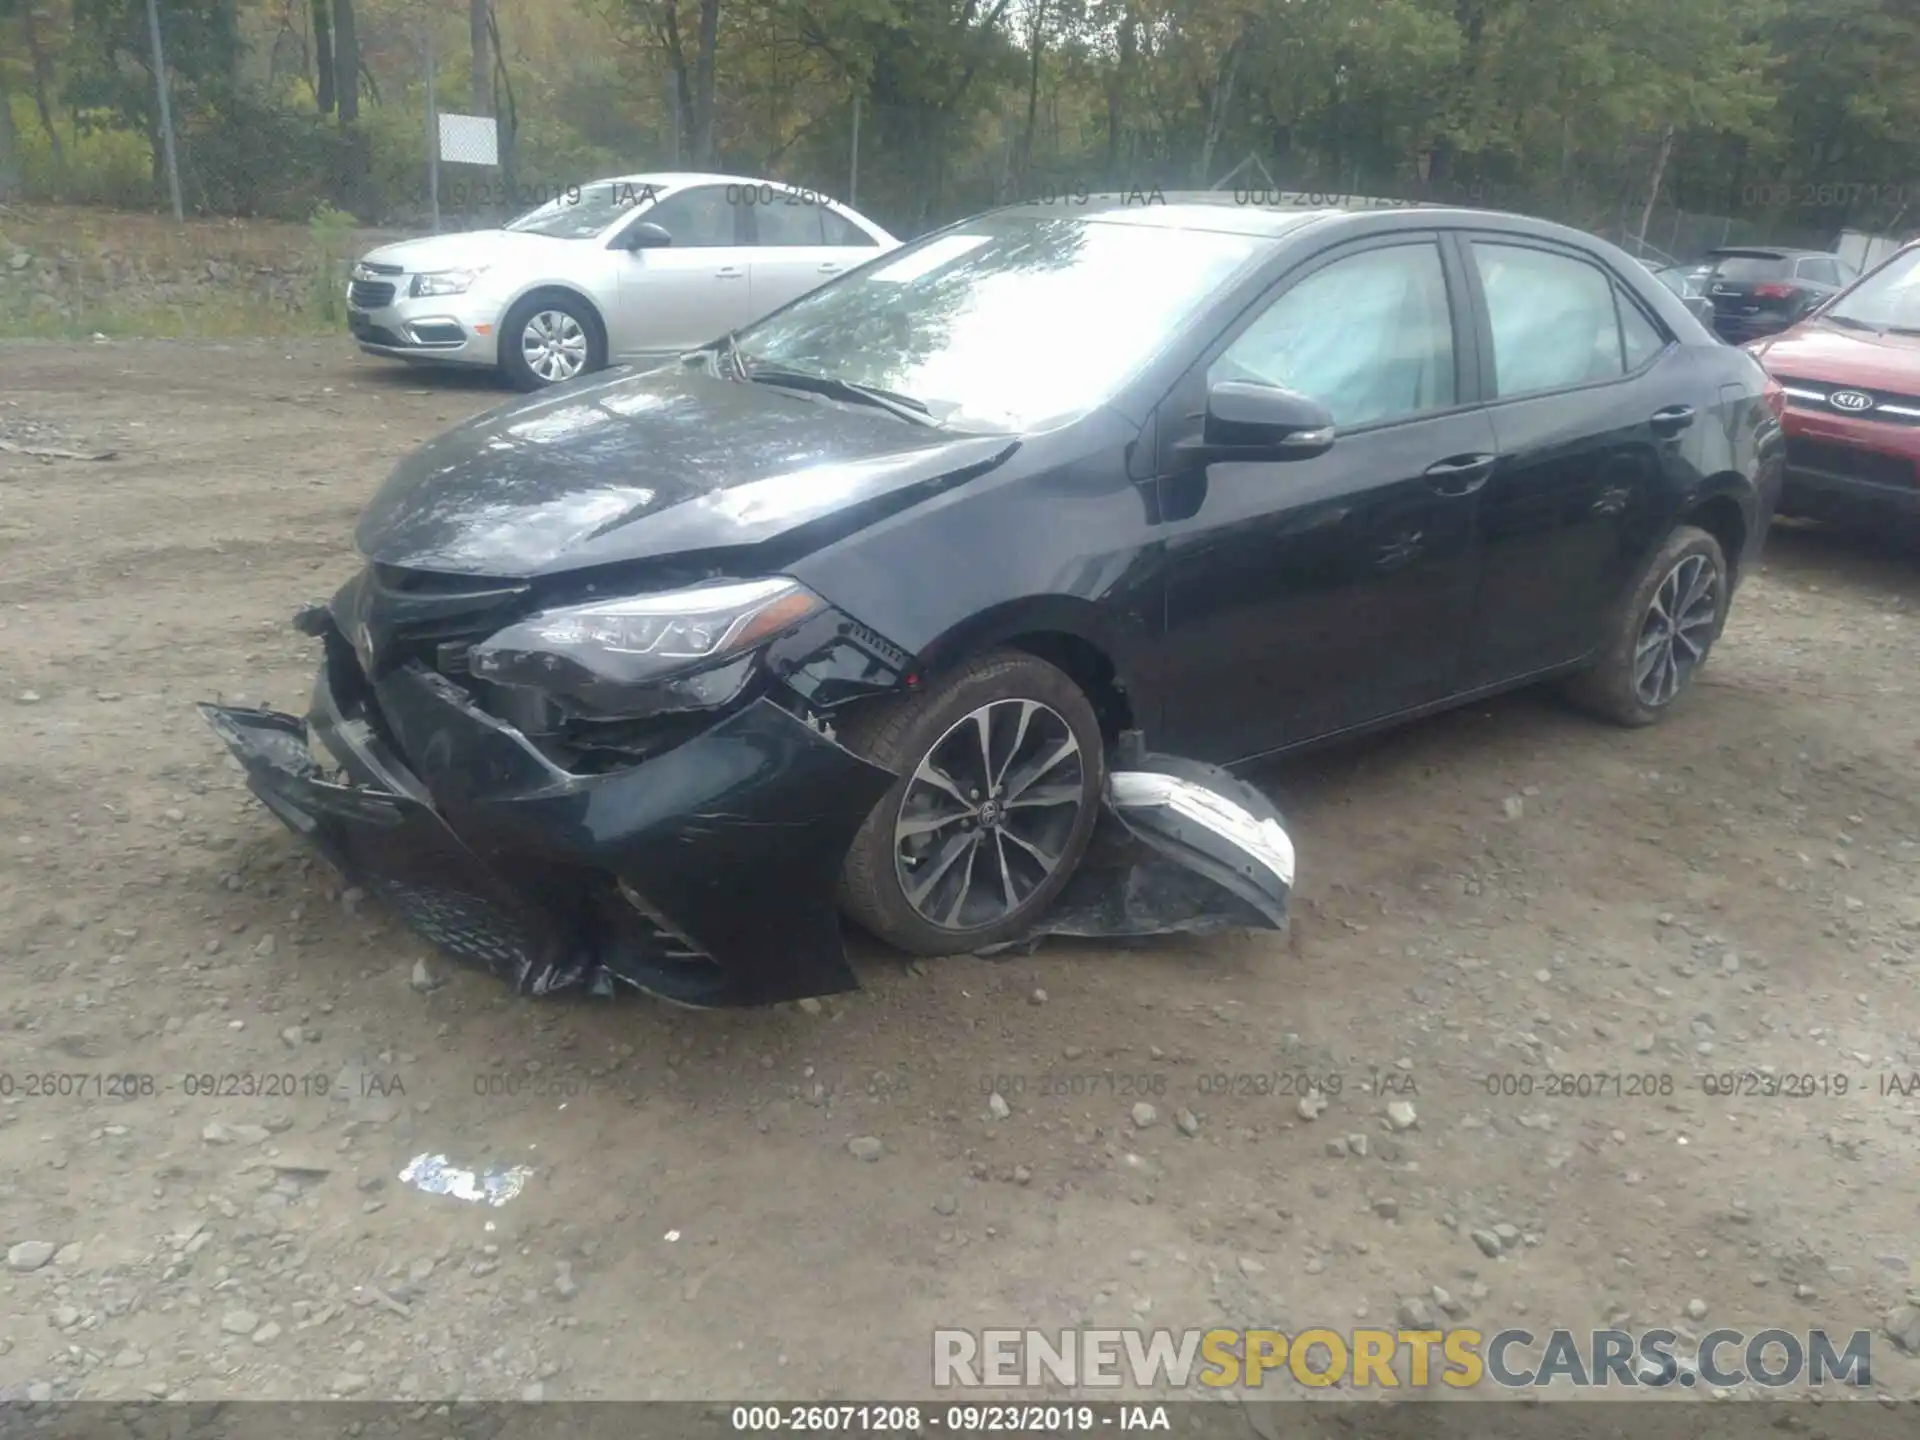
(677, 179)
(1768, 252)
(1273, 214)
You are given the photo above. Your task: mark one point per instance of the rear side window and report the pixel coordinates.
(1554, 319)
(1640, 340)
(1745, 269)
(781, 224)
(1821, 269)
(842, 231)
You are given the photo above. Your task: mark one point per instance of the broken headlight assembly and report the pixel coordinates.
(643, 655)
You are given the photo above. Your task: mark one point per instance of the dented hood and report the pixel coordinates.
(631, 466)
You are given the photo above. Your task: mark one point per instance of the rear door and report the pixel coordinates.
(800, 243)
(1588, 396)
(692, 291)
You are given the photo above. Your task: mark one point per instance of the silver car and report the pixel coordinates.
(631, 268)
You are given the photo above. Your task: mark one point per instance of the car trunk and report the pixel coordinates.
(1749, 287)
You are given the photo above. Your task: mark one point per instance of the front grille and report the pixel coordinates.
(1889, 406)
(392, 615)
(1850, 462)
(370, 294)
(466, 927)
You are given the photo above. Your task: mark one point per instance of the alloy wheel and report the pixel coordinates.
(1676, 632)
(988, 814)
(555, 346)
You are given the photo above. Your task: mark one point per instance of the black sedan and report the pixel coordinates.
(881, 607)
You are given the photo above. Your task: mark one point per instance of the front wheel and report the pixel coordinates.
(1661, 637)
(549, 339)
(1001, 769)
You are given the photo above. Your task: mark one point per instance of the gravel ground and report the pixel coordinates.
(786, 1203)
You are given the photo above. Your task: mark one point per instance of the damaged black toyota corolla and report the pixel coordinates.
(937, 598)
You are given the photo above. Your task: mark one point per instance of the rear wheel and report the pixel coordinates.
(1001, 767)
(1661, 637)
(549, 339)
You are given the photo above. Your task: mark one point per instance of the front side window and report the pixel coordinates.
(1370, 337)
(697, 219)
(842, 231)
(1553, 317)
(1011, 323)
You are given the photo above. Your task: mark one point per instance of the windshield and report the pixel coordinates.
(581, 212)
(1888, 299)
(1010, 324)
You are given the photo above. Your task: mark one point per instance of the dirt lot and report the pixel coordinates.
(1510, 891)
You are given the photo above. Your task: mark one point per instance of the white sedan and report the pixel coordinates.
(632, 268)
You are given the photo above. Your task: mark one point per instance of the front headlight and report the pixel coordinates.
(445, 282)
(685, 649)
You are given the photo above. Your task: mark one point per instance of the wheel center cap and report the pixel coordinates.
(990, 813)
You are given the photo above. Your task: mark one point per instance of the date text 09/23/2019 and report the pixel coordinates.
(1003, 1419)
(193, 1085)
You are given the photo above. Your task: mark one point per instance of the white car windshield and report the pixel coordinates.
(1010, 324)
(581, 212)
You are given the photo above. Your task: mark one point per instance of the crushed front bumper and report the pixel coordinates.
(706, 875)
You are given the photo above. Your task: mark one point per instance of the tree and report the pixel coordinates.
(323, 86)
(480, 72)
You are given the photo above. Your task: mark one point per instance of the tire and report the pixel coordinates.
(1612, 688)
(934, 728)
(567, 319)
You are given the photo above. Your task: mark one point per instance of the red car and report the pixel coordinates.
(1851, 371)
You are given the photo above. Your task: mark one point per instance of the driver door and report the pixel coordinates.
(1309, 596)
(682, 295)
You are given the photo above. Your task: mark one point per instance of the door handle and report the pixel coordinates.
(831, 267)
(1459, 474)
(1672, 420)
(730, 272)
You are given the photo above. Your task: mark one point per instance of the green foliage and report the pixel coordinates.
(1563, 108)
(332, 233)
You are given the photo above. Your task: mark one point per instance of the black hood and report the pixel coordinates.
(632, 466)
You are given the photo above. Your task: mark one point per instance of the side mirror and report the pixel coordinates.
(642, 236)
(1250, 421)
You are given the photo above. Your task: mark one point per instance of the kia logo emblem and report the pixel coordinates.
(1850, 400)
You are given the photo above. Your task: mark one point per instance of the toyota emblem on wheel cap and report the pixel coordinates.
(1850, 400)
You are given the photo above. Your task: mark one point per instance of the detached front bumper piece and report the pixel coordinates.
(706, 875)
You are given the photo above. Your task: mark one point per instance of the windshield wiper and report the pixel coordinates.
(727, 352)
(1853, 324)
(1901, 330)
(904, 406)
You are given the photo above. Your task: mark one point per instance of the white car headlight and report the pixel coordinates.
(445, 282)
(688, 648)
